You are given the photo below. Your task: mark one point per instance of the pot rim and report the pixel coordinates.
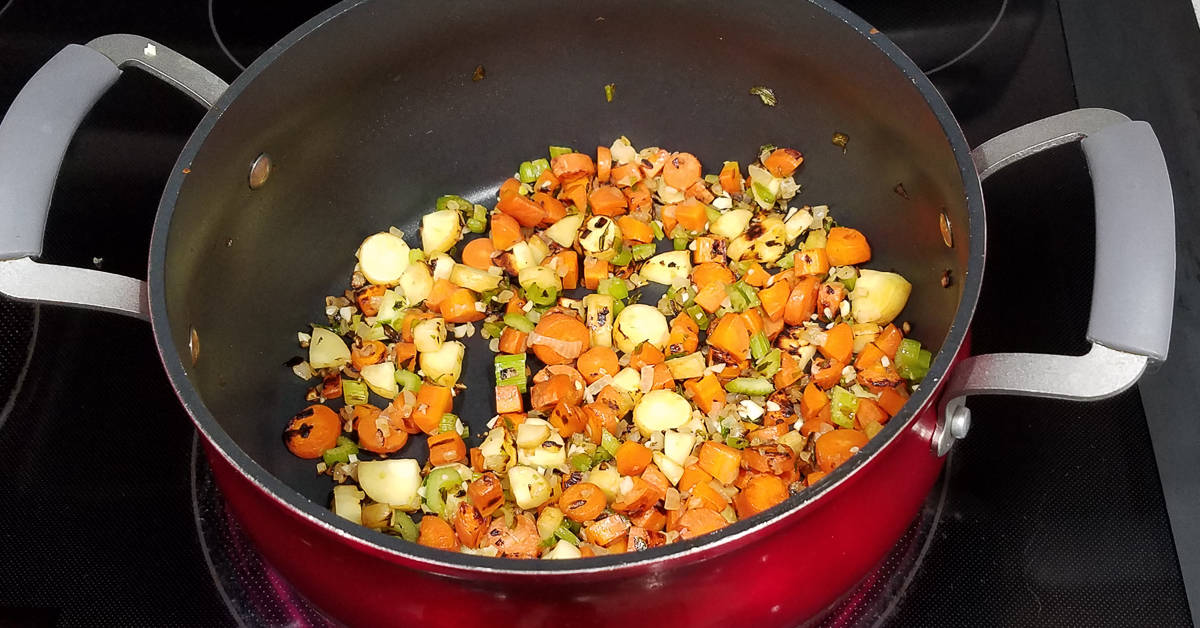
(440, 561)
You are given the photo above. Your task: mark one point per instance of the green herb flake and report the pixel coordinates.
(766, 94)
(609, 91)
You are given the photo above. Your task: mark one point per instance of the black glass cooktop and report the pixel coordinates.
(1050, 513)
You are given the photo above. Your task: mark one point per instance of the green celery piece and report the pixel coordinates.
(563, 532)
(759, 345)
(609, 443)
(623, 257)
(770, 363)
(712, 212)
(354, 392)
(754, 386)
(403, 525)
(519, 322)
(681, 243)
(844, 404)
(908, 354)
(437, 484)
(476, 226)
(455, 203)
(447, 423)
(614, 287)
(340, 453)
(555, 151)
(581, 462)
(540, 295)
(408, 379)
(696, 313)
(658, 232)
(737, 442)
(763, 194)
(643, 251)
(510, 370)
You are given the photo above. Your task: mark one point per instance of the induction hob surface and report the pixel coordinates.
(1050, 513)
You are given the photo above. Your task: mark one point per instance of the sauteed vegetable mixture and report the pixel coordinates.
(673, 351)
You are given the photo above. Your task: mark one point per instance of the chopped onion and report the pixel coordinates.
(647, 383)
(569, 350)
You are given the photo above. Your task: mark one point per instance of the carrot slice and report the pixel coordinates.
(812, 401)
(681, 170)
(460, 307)
(506, 232)
(634, 230)
(802, 302)
(523, 209)
(774, 299)
(446, 448)
(563, 328)
(869, 411)
(761, 493)
(368, 299)
(704, 274)
(731, 336)
(469, 524)
(700, 521)
(442, 288)
(654, 164)
(312, 431)
(782, 162)
(889, 340)
(435, 532)
(582, 502)
(546, 182)
(554, 208)
(834, 448)
(572, 165)
(366, 353)
(371, 436)
(891, 400)
(510, 187)
(607, 200)
(706, 392)
(846, 246)
(603, 163)
(478, 253)
(632, 458)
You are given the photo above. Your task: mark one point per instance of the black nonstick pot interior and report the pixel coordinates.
(370, 117)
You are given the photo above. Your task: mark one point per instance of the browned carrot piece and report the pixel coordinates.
(372, 436)
(639, 496)
(782, 162)
(692, 475)
(706, 392)
(522, 209)
(558, 389)
(731, 336)
(312, 431)
(432, 403)
(834, 448)
(368, 299)
(685, 334)
(486, 493)
(582, 502)
(811, 262)
(513, 341)
(405, 353)
(446, 448)
(603, 163)
(366, 353)
(720, 461)
(505, 232)
(546, 182)
(700, 192)
(789, 371)
(567, 420)
(632, 458)
(435, 532)
(607, 200)
(802, 302)
(846, 246)
(606, 530)
(761, 493)
(508, 399)
(651, 519)
(654, 164)
(469, 524)
(828, 376)
(889, 340)
(565, 329)
(681, 170)
(731, 178)
(478, 253)
(598, 362)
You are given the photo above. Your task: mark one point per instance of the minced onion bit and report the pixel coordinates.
(762, 358)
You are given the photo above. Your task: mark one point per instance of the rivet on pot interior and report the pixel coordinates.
(194, 345)
(260, 171)
(947, 234)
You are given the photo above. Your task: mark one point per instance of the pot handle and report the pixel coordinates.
(1129, 180)
(34, 136)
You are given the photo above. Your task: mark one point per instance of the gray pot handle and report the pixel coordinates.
(34, 136)
(1133, 257)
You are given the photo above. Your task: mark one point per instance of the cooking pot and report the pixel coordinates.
(361, 117)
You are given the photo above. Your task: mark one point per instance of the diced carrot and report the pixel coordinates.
(774, 299)
(594, 270)
(889, 340)
(603, 163)
(513, 341)
(640, 199)
(368, 299)
(651, 519)
(606, 530)
(657, 478)
(632, 458)
(802, 302)
(681, 171)
(708, 249)
(446, 448)
(834, 448)
(654, 164)
(720, 461)
(753, 320)
(812, 401)
(546, 182)
(522, 209)
(891, 401)
(577, 191)
(685, 335)
(618, 401)
(598, 362)
(730, 335)
(769, 434)
(772, 327)
(405, 352)
(692, 475)
(510, 187)
(460, 307)
(639, 496)
(817, 426)
(869, 411)
(607, 200)
(812, 478)
(634, 230)
(564, 328)
(700, 521)
(782, 162)
(555, 210)
(868, 357)
(667, 213)
(878, 378)
(469, 524)
(839, 343)
(432, 402)
(731, 178)
(478, 253)
(662, 377)
(704, 274)
(755, 275)
(700, 192)
(829, 299)
(625, 175)
(442, 288)
(505, 232)
(567, 420)
(789, 371)
(811, 262)
(508, 399)
(565, 264)
(572, 165)
(707, 497)
(692, 215)
(829, 376)
(645, 354)
(558, 389)
(435, 532)
(673, 517)
(761, 493)
(706, 392)
(366, 353)
(846, 246)
(712, 295)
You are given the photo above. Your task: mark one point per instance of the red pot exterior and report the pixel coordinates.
(781, 575)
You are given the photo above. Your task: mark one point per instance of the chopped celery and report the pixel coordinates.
(912, 362)
(340, 453)
(581, 462)
(849, 282)
(601, 455)
(449, 423)
(658, 232)
(763, 194)
(454, 203)
(737, 442)
(769, 364)
(609, 442)
(759, 345)
(354, 392)
(713, 213)
(493, 329)
(437, 484)
(681, 242)
(754, 386)
(643, 251)
(409, 380)
(403, 525)
(787, 261)
(741, 296)
(476, 226)
(518, 322)
(529, 171)
(712, 179)
(696, 313)
(555, 151)
(510, 371)
(563, 532)
(541, 295)
(842, 407)
(614, 287)
(623, 257)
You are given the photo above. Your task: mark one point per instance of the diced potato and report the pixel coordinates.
(546, 448)
(543, 277)
(327, 349)
(548, 521)
(640, 323)
(391, 306)
(878, 297)
(607, 478)
(798, 223)
(678, 445)
(599, 237)
(628, 380)
(687, 367)
(473, 278)
(530, 489)
(732, 223)
(767, 245)
(562, 550)
(532, 434)
(440, 231)
(538, 249)
(444, 366)
(383, 258)
(522, 256)
(794, 440)
(599, 318)
(665, 268)
(416, 283)
(565, 230)
(661, 410)
(381, 379)
(429, 334)
(864, 334)
(443, 265)
(394, 482)
(347, 502)
(673, 470)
